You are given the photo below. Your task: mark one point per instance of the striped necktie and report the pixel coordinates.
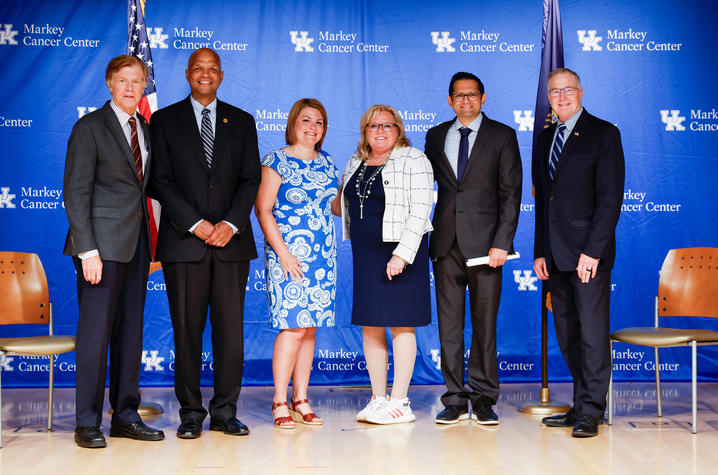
(207, 137)
(556, 151)
(135, 144)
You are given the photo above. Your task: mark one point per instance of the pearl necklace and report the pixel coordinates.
(363, 194)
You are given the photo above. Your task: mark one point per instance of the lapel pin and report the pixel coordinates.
(225, 121)
(575, 133)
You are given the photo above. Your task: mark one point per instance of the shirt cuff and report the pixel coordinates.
(88, 254)
(191, 230)
(234, 228)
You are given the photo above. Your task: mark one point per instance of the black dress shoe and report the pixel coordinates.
(136, 430)
(231, 426)
(561, 420)
(189, 429)
(485, 415)
(586, 426)
(452, 415)
(90, 437)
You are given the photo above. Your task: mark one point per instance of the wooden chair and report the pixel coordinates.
(687, 287)
(25, 299)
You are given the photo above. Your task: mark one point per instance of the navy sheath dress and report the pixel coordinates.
(403, 301)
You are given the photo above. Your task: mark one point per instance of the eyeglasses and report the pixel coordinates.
(569, 91)
(472, 96)
(384, 127)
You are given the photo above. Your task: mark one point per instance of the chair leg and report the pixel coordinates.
(610, 388)
(658, 384)
(694, 386)
(50, 392)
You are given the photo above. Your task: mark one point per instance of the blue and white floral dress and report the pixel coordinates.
(304, 217)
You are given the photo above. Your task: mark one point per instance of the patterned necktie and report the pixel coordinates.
(135, 144)
(556, 151)
(463, 152)
(207, 137)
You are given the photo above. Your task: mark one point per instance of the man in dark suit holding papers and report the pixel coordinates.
(578, 174)
(477, 166)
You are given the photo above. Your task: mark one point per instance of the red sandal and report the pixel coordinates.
(282, 422)
(309, 418)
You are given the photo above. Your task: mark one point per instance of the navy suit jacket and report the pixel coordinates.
(578, 212)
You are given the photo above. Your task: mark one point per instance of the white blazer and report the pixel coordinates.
(408, 182)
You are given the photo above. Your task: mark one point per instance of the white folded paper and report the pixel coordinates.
(480, 261)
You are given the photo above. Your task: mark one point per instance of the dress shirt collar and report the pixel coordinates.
(474, 125)
(571, 122)
(122, 116)
(197, 107)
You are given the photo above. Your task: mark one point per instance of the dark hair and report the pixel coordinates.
(122, 61)
(462, 76)
(297, 108)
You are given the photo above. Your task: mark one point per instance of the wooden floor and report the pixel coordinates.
(637, 442)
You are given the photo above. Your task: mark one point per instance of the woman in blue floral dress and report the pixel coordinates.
(293, 207)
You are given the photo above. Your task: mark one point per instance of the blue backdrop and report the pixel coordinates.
(648, 67)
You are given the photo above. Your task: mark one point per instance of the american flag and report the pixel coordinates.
(138, 44)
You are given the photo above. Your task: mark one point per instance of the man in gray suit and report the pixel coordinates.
(106, 172)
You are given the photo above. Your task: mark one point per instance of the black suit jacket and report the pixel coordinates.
(105, 203)
(189, 190)
(578, 212)
(482, 210)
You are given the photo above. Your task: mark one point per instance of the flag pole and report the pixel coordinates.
(551, 58)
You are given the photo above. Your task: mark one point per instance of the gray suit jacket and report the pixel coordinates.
(104, 201)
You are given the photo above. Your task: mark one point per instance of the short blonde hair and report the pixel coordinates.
(363, 148)
(297, 108)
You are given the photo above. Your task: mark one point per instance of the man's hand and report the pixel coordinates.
(586, 268)
(395, 266)
(540, 268)
(204, 230)
(92, 269)
(221, 235)
(497, 257)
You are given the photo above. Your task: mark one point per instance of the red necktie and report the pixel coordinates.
(135, 147)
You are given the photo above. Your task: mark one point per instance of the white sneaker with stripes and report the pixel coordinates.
(375, 404)
(395, 411)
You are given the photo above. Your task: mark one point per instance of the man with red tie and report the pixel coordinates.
(106, 172)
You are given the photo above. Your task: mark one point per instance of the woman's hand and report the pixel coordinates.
(395, 266)
(292, 267)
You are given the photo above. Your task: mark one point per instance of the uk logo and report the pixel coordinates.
(301, 41)
(674, 122)
(6, 198)
(157, 38)
(7, 36)
(444, 42)
(5, 363)
(589, 40)
(84, 110)
(525, 279)
(525, 119)
(153, 361)
(436, 358)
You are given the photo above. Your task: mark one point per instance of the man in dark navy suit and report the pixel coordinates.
(578, 174)
(206, 176)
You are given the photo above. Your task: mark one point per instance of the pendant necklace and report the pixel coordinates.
(363, 194)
